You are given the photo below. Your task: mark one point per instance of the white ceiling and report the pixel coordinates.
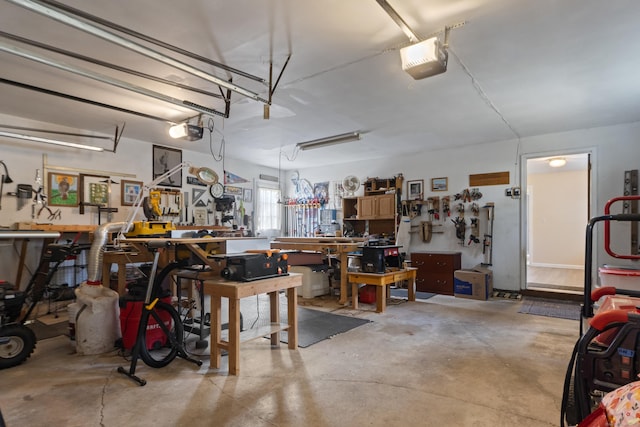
(516, 68)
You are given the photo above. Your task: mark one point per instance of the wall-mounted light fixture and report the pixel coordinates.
(331, 140)
(557, 162)
(186, 131)
(6, 178)
(49, 141)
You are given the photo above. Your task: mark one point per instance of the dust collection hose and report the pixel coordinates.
(100, 239)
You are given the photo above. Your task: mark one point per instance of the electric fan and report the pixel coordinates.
(350, 184)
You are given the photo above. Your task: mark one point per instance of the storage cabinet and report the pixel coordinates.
(376, 211)
(377, 207)
(435, 271)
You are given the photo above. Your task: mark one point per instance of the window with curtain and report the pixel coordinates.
(269, 211)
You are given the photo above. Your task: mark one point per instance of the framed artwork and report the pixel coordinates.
(165, 159)
(233, 190)
(62, 189)
(415, 189)
(200, 216)
(247, 195)
(94, 190)
(439, 184)
(129, 191)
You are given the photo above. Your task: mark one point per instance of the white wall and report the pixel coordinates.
(615, 149)
(558, 218)
(132, 157)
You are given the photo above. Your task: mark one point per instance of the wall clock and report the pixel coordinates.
(216, 190)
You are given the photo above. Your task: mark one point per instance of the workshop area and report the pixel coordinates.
(281, 213)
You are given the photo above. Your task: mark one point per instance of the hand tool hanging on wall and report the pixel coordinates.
(446, 205)
(461, 227)
(475, 209)
(475, 231)
(476, 194)
(487, 242)
(39, 197)
(434, 208)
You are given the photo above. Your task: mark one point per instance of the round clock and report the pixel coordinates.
(216, 190)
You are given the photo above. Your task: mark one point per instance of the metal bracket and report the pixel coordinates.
(631, 206)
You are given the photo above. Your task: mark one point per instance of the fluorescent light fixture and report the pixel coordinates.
(49, 141)
(186, 131)
(331, 140)
(424, 59)
(557, 162)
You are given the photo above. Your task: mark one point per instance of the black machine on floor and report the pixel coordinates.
(17, 341)
(607, 355)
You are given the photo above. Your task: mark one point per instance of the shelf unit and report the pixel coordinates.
(375, 213)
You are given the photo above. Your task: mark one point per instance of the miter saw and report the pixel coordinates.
(152, 227)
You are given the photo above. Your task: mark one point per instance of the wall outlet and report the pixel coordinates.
(513, 192)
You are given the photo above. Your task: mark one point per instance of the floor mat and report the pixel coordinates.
(404, 293)
(315, 326)
(551, 308)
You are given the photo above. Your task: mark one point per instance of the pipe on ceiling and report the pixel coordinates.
(105, 79)
(67, 19)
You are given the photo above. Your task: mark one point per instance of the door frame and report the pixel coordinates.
(592, 201)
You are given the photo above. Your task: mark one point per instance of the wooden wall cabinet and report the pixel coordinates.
(377, 207)
(435, 271)
(377, 211)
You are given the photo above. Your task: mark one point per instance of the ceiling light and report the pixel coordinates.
(424, 59)
(49, 141)
(186, 131)
(331, 140)
(557, 162)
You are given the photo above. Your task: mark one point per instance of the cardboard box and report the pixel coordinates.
(474, 283)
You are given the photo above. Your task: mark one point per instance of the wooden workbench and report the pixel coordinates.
(220, 288)
(382, 281)
(136, 251)
(338, 246)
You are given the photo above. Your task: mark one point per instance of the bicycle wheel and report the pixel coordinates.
(163, 335)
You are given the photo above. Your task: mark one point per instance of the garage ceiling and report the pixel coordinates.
(516, 68)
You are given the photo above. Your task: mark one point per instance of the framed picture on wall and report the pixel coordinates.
(165, 159)
(62, 189)
(129, 191)
(415, 189)
(439, 184)
(94, 191)
(247, 195)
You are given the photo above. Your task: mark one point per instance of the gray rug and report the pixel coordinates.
(551, 308)
(404, 293)
(315, 326)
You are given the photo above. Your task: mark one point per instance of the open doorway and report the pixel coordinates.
(557, 210)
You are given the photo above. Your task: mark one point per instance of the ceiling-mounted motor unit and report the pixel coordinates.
(424, 59)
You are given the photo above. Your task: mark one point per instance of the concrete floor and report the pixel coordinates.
(442, 362)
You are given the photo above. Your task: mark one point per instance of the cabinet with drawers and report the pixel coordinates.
(435, 271)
